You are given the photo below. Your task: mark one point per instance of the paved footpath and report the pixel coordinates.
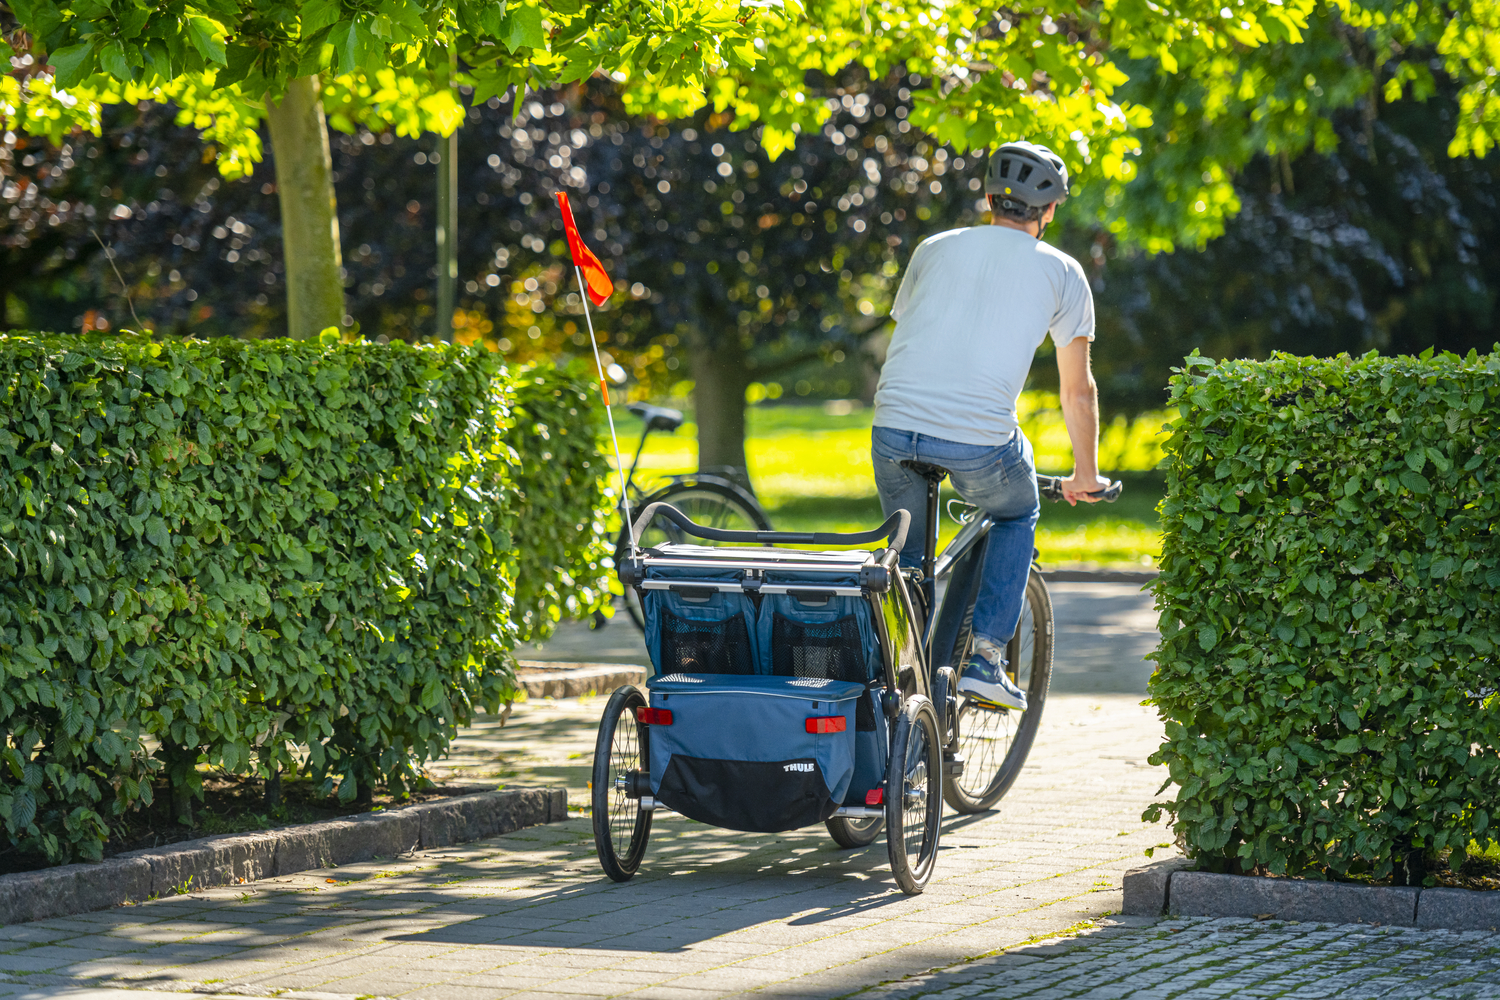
(1231, 957)
(715, 913)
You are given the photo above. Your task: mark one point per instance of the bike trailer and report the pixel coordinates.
(804, 619)
(758, 753)
(787, 688)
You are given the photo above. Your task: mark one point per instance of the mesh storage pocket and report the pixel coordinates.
(831, 650)
(693, 629)
(689, 646)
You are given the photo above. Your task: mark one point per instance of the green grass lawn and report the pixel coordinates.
(811, 470)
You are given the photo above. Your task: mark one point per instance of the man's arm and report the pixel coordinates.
(1080, 406)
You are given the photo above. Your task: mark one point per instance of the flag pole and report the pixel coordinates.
(583, 291)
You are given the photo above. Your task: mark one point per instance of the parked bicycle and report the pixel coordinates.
(709, 500)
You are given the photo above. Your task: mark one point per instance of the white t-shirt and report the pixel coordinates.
(973, 308)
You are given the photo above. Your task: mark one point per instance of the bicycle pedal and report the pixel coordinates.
(989, 706)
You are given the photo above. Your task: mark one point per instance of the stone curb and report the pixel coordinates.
(230, 859)
(1166, 887)
(572, 680)
(1100, 575)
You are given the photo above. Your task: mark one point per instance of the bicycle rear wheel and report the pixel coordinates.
(708, 504)
(994, 741)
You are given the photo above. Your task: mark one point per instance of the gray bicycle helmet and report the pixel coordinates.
(1026, 177)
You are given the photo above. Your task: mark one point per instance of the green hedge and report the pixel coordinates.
(557, 421)
(242, 548)
(1328, 667)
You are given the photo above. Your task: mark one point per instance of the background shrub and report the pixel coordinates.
(243, 548)
(1328, 668)
(561, 480)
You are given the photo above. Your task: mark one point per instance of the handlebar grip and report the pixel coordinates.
(1050, 487)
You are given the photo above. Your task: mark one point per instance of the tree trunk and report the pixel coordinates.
(447, 219)
(273, 788)
(719, 380)
(447, 235)
(309, 212)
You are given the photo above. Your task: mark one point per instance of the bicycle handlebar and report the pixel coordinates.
(894, 530)
(1050, 487)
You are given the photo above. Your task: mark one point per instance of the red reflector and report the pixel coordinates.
(875, 797)
(827, 724)
(654, 716)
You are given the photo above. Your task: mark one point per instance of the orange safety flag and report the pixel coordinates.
(600, 288)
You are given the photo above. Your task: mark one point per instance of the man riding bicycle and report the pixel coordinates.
(972, 309)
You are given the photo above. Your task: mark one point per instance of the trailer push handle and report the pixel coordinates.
(893, 530)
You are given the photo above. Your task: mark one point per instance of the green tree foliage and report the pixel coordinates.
(249, 549)
(53, 198)
(1382, 242)
(1394, 254)
(1327, 666)
(1056, 73)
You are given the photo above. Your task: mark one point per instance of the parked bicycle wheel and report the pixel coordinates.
(707, 503)
(994, 741)
(913, 808)
(621, 826)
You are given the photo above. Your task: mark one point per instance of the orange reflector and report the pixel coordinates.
(604, 390)
(875, 797)
(654, 716)
(827, 724)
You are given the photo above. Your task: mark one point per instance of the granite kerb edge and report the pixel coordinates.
(229, 859)
(1170, 889)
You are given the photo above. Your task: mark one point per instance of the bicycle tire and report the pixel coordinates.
(994, 742)
(705, 503)
(621, 826)
(850, 832)
(913, 808)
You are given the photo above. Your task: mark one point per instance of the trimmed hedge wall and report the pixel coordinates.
(556, 423)
(1328, 668)
(243, 548)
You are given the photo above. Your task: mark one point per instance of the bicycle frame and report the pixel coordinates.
(635, 461)
(961, 562)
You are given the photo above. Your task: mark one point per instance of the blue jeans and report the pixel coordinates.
(1000, 480)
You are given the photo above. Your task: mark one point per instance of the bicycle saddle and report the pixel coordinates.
(931, 473)
(657, 418)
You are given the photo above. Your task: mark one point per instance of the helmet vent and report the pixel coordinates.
(1004, 168)
(1044, 185)
(1025, 173)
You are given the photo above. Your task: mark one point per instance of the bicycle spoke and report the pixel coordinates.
(914, 809)
(624, 760)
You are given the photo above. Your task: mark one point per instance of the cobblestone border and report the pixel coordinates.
(1168, 887)
(235, 858)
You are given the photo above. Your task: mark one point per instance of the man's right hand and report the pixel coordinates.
(1076, 488)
